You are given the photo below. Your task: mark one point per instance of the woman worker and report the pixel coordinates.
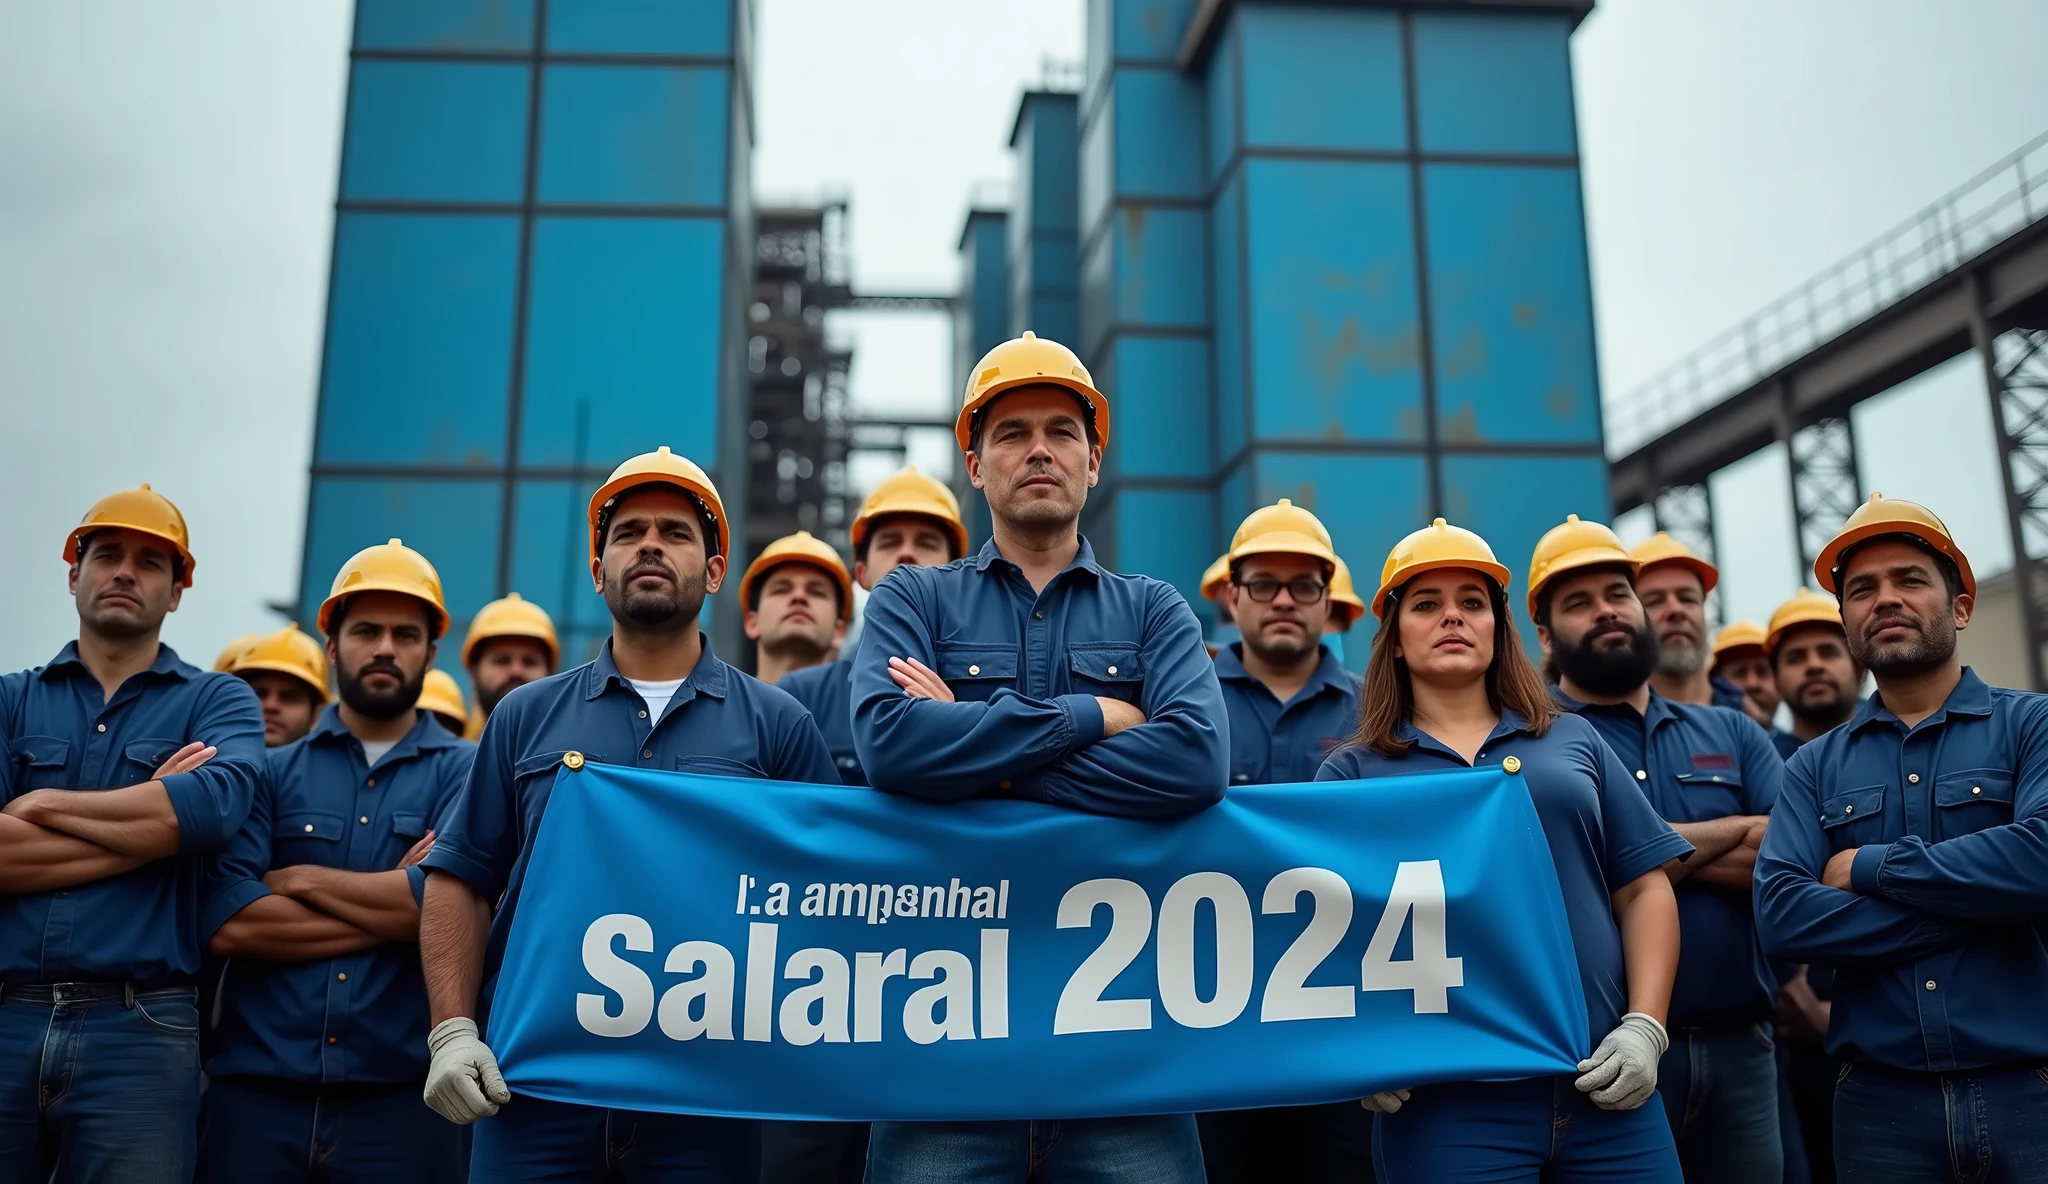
(1448, 686)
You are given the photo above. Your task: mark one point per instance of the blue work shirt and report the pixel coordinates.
(1727, 694)
(1272, 743)
(62, 733)
(1602, 832)
(1026, 669)
(1786, 743)
(360, 1017)
(1940, 952)
(827, 693)
(721, 722)
(1696, 763)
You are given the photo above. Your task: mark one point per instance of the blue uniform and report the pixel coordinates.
(1786, 743)
(1272, 743)
(1026, 669)
(720, 722)
(1726, 694)
(1602, 834)
(827, 693)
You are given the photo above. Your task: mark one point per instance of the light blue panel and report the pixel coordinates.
(1054, 316)
(1159, 134)
(640, 26)
(1227, 333)
(1159, 426)
(1511, 306)
(625, 325)
(1233, 502)
(436, 131)
(1335, 339)
(453, 523)
(1162, 266)
(551, 553)
(1368, 502)
(1221, 88)
(1096, 183)
(1512, 501)
(1150, 30)
(1054, 266)
(1164, 533)
(1494, 82)
(1323, 77)
(641, 134)
(1054, 162)
(419, 340)
(987, 259)
(444, 24)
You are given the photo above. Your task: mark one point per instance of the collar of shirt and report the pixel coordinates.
(708, 678)
(426, 735)
(1329, 674)
(1970, 697)
(1084, 559)
(69, 664)
(1660, 710)
(1510, 721)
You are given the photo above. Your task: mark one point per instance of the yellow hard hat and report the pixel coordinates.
(1345, 606)
(1572, 545)
(907, 491)
(232, 650)
(1216, 578)
(1737, 635)
(143, 510)
(660, 467)
(513, 616)
(389, 567)
(800, 547)
(1662, 548)
(1806, 607)
(1029, 360)
(1435, 546)
(1882, 516)
(442, 695)
(1282, 528)
(291, 651)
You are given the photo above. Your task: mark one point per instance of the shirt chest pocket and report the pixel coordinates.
(409, 827)
(975, 673)
(1853, 817)
(43, 762)
(304, 836)
(1972, 800)
(1113, 671)
(1710, 793)
(145, 757)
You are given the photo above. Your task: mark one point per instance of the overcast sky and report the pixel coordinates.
(167, 178)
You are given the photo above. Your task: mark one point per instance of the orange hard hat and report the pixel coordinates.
(442, 695)
(1029, 360)
(1662, 548)
(232, 650)
(660, 467)
(1737, 635)
(1282, 528)
(1570, 546)
(291, 651)
(1345, 606)
(801, 547)
(142, 510)
(1882, 516)
(1216, 578)
(512, 616)
(1806, 607)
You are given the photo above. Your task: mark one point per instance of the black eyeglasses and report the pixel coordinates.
(1304, 589)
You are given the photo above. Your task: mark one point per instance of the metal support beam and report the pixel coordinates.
(1825, 485)
(1686, 513)
(2016, 376)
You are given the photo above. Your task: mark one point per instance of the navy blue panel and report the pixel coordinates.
(1161, 266)
(1228, 332)
(1335, 341)
(419, 340)
(1159, 135)
(436, 131)
(1511, 305)
(624, 325)
(453, 523)
(640, 134)
(1047, 163)
(640, 26)
(1164, 533)
(985, 270)
(444, 24)
(1233, 502)
(1494, 82)
(1512, 501)
(1159, 387)
(1367, 502)
(1324, 77)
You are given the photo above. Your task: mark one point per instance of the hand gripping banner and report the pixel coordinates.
(719, 946)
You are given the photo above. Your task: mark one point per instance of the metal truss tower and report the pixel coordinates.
(2016, 371)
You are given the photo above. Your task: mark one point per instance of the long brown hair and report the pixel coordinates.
(1388, 699)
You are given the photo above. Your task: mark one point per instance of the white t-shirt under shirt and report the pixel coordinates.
(374, 750)
(657, 695)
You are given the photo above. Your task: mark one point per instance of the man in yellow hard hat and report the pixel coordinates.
(315, 1065)
(224, 663)
(1711, 773)
(1031, 671)
(511, 642)
(654, 697)
(797, 596)
(1740, 660)
(288, 671)
(1214, 581)
(126, 770)
(1813, 671)
(1908, 855)
(1290, 702)
(441, 699)
(1673, 582)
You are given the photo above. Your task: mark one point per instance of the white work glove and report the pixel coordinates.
(463, 1082)
(1622, 1072)
(1385, 1102)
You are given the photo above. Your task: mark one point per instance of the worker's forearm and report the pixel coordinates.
(134, 820)
(455, 923)
(375, 902)
(37, 859)
(1710, 841)
(1735, 870)
(1647, 914)
(284, 930)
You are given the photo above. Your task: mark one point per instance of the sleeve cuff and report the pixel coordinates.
(444, 858)
(1863, 868)
(1642, 858)
(416, 879)
(196, 831)
(1086, 716)
(224, 902)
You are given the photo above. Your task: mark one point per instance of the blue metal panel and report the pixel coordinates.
(1044, 258)
(1158, 387)
(1511, 306)
(453, 523)
(1511, 501)
(640, 26)
(444, 24)
(551, 553)
(1097, 182)
(1335, 332)
(1161, 267)
(642, 134)
(1227, 333)
(623, 341)
(419, 340)
(1233, 502)
(1164, 533)
(1159, 134)
(1494, 82)
(1150, 30)
(436, 131)
(1368, 502)
(1222, 90)
(1322, 78)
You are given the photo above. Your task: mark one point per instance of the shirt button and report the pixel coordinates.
(1642, 775)
(309, 828)
(1848, 810)
(343, 976)
(1913, 777)
(365, 820)
(1976, 789)
(643, 715)
(103, 727)
(334, 1040)
(1040, 614)
(1930, 984)
(1112, 670)
(373, 783)
(974, 670)
(646, 754)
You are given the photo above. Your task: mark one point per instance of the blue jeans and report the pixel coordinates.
(813, 1152)
(98, 1083)
(532, 1139)
(1161, 1149)
(1327, 1144)
(1522, 1132)
(265, 1131)
(1720, 1088)
(1983, 1126)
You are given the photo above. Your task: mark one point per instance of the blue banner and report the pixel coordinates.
(719, 946)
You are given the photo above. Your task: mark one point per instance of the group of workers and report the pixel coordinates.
(1822, 950)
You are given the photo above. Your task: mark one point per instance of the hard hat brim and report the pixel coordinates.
(265, 664)
(1778, 632)
(701, 490)
(184, 556)
(1579, 560)
(956, 531)
(761, 568)
(1097, 403)
(435, 612)
(1496, 572)
(1830, 556)
(1281, 542)
(1708, 574)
